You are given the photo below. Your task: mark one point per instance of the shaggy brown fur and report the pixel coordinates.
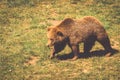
(72, 32)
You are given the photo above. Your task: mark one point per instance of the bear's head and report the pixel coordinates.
(55, 36)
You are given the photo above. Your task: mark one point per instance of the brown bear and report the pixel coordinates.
(72, 32)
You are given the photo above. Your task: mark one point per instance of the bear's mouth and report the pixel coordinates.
(51, 47)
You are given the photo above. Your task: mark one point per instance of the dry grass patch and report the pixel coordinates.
(31, 61)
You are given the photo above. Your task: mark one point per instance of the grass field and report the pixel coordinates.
(23, 51)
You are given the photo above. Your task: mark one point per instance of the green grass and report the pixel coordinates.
(23, 51)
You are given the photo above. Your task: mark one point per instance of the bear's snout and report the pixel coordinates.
(47, 45)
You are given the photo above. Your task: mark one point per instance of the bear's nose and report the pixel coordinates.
(47, 45)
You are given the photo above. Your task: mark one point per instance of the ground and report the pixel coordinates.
(23, 51)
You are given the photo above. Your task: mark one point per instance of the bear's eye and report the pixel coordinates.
(51, 39)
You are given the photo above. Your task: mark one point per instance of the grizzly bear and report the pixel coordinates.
(72, 32)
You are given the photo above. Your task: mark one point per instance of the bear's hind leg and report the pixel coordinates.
(75, 50)
(105, 42)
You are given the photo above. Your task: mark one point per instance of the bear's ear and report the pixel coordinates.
(59, 33)
(66, 22)
(48, 29)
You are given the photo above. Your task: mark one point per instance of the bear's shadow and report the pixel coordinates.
(98, 53)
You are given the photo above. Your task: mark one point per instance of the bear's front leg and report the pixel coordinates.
(52, 53)
(75, 50)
